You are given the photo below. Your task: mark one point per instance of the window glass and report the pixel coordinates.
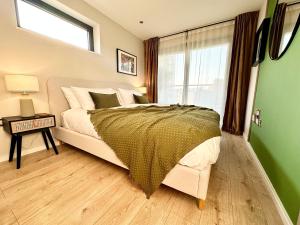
(193, 67)
(38, 19)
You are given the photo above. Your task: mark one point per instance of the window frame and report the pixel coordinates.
(62, 15)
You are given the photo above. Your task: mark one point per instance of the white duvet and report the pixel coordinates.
(199, 158)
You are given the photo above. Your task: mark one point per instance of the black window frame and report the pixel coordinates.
(62, 15)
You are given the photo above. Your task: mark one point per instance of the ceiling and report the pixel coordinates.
(163, 17)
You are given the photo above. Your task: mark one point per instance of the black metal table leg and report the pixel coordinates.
(51, 140)
(12, 147)
(19, 148)
(45, 139)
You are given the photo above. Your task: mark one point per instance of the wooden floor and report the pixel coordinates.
(77, 188)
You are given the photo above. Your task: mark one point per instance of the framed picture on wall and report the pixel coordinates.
(126, 63)
(260, 44)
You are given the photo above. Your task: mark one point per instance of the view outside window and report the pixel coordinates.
(40, 21)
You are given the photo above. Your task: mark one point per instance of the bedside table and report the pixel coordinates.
(18, 126)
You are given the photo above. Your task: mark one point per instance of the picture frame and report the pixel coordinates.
(260, 44)
(126, 63)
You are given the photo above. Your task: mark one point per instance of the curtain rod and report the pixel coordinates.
(212, 24)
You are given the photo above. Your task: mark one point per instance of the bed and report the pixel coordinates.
(187, 176)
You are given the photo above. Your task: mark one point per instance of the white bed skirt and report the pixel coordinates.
(185, 179)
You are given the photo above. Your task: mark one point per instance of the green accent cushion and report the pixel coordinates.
(140, 99)
(104, 100)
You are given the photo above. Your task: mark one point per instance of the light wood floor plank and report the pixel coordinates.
(90, 211)
(156, 209)
(124, 209)
(75, 187)
(61, 194)
(261, 202)
(173, 219)
(6, 215)
(30, 164)
(40, 177)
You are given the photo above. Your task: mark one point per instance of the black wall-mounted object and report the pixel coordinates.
(260, 43)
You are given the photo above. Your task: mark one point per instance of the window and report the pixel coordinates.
(193, 67)
(38, 16)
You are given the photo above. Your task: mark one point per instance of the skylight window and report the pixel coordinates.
(37, 16)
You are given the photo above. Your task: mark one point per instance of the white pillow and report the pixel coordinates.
(127, 96)
(71, 98)
(84, 98)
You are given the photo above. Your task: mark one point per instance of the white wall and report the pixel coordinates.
(25, 52)
(253, 79)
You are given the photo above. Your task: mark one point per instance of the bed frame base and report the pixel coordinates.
(182, 178)
(188, 180)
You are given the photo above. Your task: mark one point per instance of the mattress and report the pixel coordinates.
(199, 158)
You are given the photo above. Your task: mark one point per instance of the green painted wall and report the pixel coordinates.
(277, 142)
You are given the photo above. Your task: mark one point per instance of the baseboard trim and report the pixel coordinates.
(279, 206)
(27, 151)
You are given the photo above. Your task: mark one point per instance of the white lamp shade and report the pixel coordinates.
(143, 90)
(21, 83)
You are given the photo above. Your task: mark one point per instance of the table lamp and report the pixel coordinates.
(143, 90)
(23, 84)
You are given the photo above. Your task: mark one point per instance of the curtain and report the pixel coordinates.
(239, 74)
(193, 67)
(276, 30)
(209, 60)
(151, 67)
(171, 61)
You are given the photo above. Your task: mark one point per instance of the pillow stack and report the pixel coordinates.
(84, 97)
(95, 98)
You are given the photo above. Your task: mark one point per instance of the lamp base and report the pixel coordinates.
(26, 108)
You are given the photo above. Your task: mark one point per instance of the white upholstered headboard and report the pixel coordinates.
(56, 99)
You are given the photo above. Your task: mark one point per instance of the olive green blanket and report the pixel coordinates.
(151, 140)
